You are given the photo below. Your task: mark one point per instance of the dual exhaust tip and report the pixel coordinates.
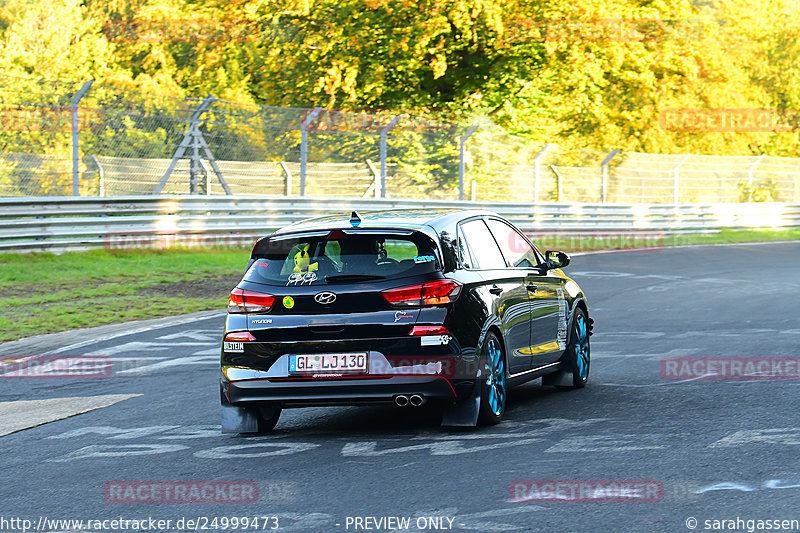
(415, 400)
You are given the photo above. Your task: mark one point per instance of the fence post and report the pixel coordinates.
(558, 182)
(304, 146)
(384, 134)
(208, 177)
(193, 139)
(195, 165)
(461, 166)
(76, 178)
(546, 148)
(376, 180)
(287, 178)
(604, 174)
(101, 176)
(752, 169)
(676, 180)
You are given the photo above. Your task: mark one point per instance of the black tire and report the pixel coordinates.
(494, 384)
(577, 356)
(268, 416)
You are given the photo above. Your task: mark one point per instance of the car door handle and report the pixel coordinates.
(531, 287)
(495, 290)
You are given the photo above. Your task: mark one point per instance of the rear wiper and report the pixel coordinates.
(344, 278)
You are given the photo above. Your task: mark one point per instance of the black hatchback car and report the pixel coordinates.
(401, 307)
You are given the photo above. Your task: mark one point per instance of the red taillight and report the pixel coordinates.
(404, 295)
(429, 330)
(240, 336)
(439, 292)
(242, 301)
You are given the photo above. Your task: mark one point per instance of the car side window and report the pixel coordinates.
(483, 248)
(514, 246)
(463, 251)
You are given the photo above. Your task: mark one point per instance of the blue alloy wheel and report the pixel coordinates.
(582, 348)
(578, 352)
(493, 382)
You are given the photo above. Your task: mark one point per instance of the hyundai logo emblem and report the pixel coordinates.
(325, 298)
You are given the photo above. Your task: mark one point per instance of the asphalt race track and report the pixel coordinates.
(717, 449)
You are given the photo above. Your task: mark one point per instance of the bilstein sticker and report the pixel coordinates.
(233, 346)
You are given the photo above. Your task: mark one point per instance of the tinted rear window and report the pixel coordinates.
(341, 257)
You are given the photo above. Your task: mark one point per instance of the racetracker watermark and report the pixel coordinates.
(165, 241)
(522, 29)
(588, 241)
(746, 120)
(575, 30)
(730, 368)
(586, 490)
(203, 492)
(55, 366)
(143, 523)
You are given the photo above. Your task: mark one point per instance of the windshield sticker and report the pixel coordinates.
(401, 315)
(424, 259)
(301, 278)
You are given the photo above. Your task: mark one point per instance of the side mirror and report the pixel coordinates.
(556, 259)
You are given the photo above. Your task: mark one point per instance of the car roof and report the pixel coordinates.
(391, 218)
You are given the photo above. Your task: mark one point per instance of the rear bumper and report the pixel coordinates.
(352, 390)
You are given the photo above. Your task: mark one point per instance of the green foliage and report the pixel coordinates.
(598, 73)
(758, 192)
(56, 39)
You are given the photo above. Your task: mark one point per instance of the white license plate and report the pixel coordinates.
(327, 363)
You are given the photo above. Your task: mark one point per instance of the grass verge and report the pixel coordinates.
(46, 293)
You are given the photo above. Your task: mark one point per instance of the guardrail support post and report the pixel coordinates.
(384, 134)
(676, 180)
(76, 177)
(536, 178)
(604, 174)
(461, 164)
(304, 146)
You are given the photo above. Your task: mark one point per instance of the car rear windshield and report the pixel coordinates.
(342, 257)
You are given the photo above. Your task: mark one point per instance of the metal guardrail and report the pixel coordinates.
(71, 223)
